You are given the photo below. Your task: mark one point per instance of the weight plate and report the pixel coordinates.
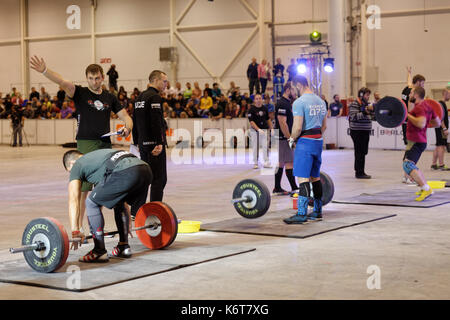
(390, 112)
(54, 236)
(437, 107)
(259, 194)
(160, 236)
(327, 189)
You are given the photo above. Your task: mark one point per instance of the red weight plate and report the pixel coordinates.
(66, 241)
(436, 107)
(153, 239)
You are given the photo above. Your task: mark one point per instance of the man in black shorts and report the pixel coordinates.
(118, 177)
(93, 111)
(150, 131)
(441, 136)
(284, 120)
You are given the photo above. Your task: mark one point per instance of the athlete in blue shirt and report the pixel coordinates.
(310, 122)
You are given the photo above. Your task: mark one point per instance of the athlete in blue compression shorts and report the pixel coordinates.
(309, 125)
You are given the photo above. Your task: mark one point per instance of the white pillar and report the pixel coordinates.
(24, 48)
(93, 40)
(363, 46)
(262, 30)
(336, 39)
(173, 64)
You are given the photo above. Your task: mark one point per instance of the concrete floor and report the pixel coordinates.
(412, 250)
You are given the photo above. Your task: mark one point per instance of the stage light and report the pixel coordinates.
(301, 65)
(315, 36)
(328, 65)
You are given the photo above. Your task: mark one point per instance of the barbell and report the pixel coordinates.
(46, 245)
(391, 112)
(251, 197)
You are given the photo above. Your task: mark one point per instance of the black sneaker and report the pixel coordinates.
(280, 192)
(296, 219)
(434, 167)
(362, 176)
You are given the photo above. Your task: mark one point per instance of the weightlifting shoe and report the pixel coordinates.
(434, 167)
(94, 256)
(315, 216)
(121, 251)
(296, 219)
(280, 192)
(443, 168)
(424, 194)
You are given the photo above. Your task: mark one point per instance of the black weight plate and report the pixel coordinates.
(52, 258)
(260, 194)
(327, 189)
(390, 112)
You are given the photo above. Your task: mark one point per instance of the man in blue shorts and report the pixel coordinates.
(309, 125)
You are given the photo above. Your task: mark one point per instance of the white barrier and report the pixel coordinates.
(50, 132)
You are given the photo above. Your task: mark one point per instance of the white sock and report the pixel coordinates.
(425, 187)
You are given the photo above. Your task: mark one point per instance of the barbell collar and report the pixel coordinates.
(243, 199)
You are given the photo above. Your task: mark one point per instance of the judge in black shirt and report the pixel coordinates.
(93, 109)
(417, 81)
(150, 131)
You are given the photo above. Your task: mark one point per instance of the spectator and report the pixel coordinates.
(136, 92)
(336, 108)
(167, 108)
(123, 101)
(122, 91)
(322, 96)
(252, 76)
(292, 70)
(34, 93)
(180, 99)
(233, 89)
(278, 84)
(66, 111)
(215, 112)
(132, 99)
(197, 90)
(17, 99)
(191, 109)
(61, 95)
(376, 97)
(113, 91)
(188, 92)
(278, 68)
(171, 100)
(360, 119)
(17, 121)
(44, 94)
(229, 112)
(263, 74)
(216, 92)
(243, 108)
(205, 103)
(113, 76)
(169, 90)
(271, 108)
(8, 105)
(207, 88)
(28, 113)
(177, 110)
(14, 92)
(222, 101)
(178, 89)
(183, 115)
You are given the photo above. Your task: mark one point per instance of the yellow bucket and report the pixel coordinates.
(436, 184)
(186, 226)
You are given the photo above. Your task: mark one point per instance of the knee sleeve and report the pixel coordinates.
(317, 189)
(409, 166)
(304, 190)
(92, 209)
(122, 221)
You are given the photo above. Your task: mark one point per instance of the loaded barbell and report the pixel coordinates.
(251, 197)
(391, 112)
(46, 243)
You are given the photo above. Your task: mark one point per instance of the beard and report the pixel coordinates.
(412, 100)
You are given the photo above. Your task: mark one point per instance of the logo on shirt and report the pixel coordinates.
(97, 104)
(156, 105)
(261, 113)
(139, 105)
